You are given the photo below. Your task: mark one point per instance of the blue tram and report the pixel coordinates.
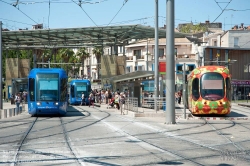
(75, 89)
(47, 88)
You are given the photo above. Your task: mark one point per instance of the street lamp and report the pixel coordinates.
(248, 69)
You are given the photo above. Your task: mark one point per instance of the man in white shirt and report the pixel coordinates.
(83, 99)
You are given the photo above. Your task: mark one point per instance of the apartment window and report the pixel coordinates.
(190, 67)
(137, 53)
(179, 69)
(120, 49)
(128, 69)
(247, 68)
(161, 52)
(140, 68)
(215, 42)
(236, 42)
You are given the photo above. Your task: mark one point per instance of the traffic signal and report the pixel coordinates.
(3, 85)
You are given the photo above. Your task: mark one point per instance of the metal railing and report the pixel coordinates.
(131, 104)
(149, 102)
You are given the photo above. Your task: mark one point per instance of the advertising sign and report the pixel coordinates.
(162, 67)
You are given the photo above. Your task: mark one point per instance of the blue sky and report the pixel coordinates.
(68, 14)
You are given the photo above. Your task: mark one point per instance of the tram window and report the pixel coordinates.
(228, 89)
(212, 86)
(72, 89)
(63, 95)
(195, 89)
(32, 89)
(47, 87)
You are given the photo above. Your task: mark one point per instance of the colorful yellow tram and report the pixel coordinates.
(209, 90)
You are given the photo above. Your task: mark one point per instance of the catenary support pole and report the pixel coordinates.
(1, 84)
(156, 79)
(170, 64)
(184, 90)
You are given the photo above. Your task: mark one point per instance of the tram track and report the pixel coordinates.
(52, 157)
(144, 143)
(174, 136)
(143, 140)
(20, 143)
(240, 151)
(24, 141)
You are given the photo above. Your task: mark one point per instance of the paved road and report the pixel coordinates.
(100, 136)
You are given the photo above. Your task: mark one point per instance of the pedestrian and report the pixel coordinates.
(122, 102)
(176, 97)
(179, 96)
(106, 96)
(91, 100)
(12, 99)
(83, 99)
(109, 98)
(18, 101)
(117, 100)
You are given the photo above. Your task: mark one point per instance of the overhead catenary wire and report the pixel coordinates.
(125, 1)
(49, 14)
(221, 9)
(85, 13)
(15, 5)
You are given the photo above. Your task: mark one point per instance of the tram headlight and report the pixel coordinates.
(56, 103)
(38, 103)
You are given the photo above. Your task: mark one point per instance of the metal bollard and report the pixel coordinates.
(10, 112)
(5, 113)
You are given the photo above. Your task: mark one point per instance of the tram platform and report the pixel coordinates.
(9, 110)
(179, 112)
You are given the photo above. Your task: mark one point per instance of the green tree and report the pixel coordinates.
(65, 56)
(190, 28)
(98, 51)
(82, 54)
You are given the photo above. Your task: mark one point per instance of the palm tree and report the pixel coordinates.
(64, 56)
(82, 54)
(97, 51)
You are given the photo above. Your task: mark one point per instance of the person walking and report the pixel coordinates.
(117, 100)
(83, 99)
(179, 96)
(122, 102)
(18, 101)
(109, 98)
(91, 100)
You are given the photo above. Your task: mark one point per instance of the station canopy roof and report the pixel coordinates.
(79, 37)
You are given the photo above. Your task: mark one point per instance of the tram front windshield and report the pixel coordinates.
(81, 87)
(47, 87)
(212, 86)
